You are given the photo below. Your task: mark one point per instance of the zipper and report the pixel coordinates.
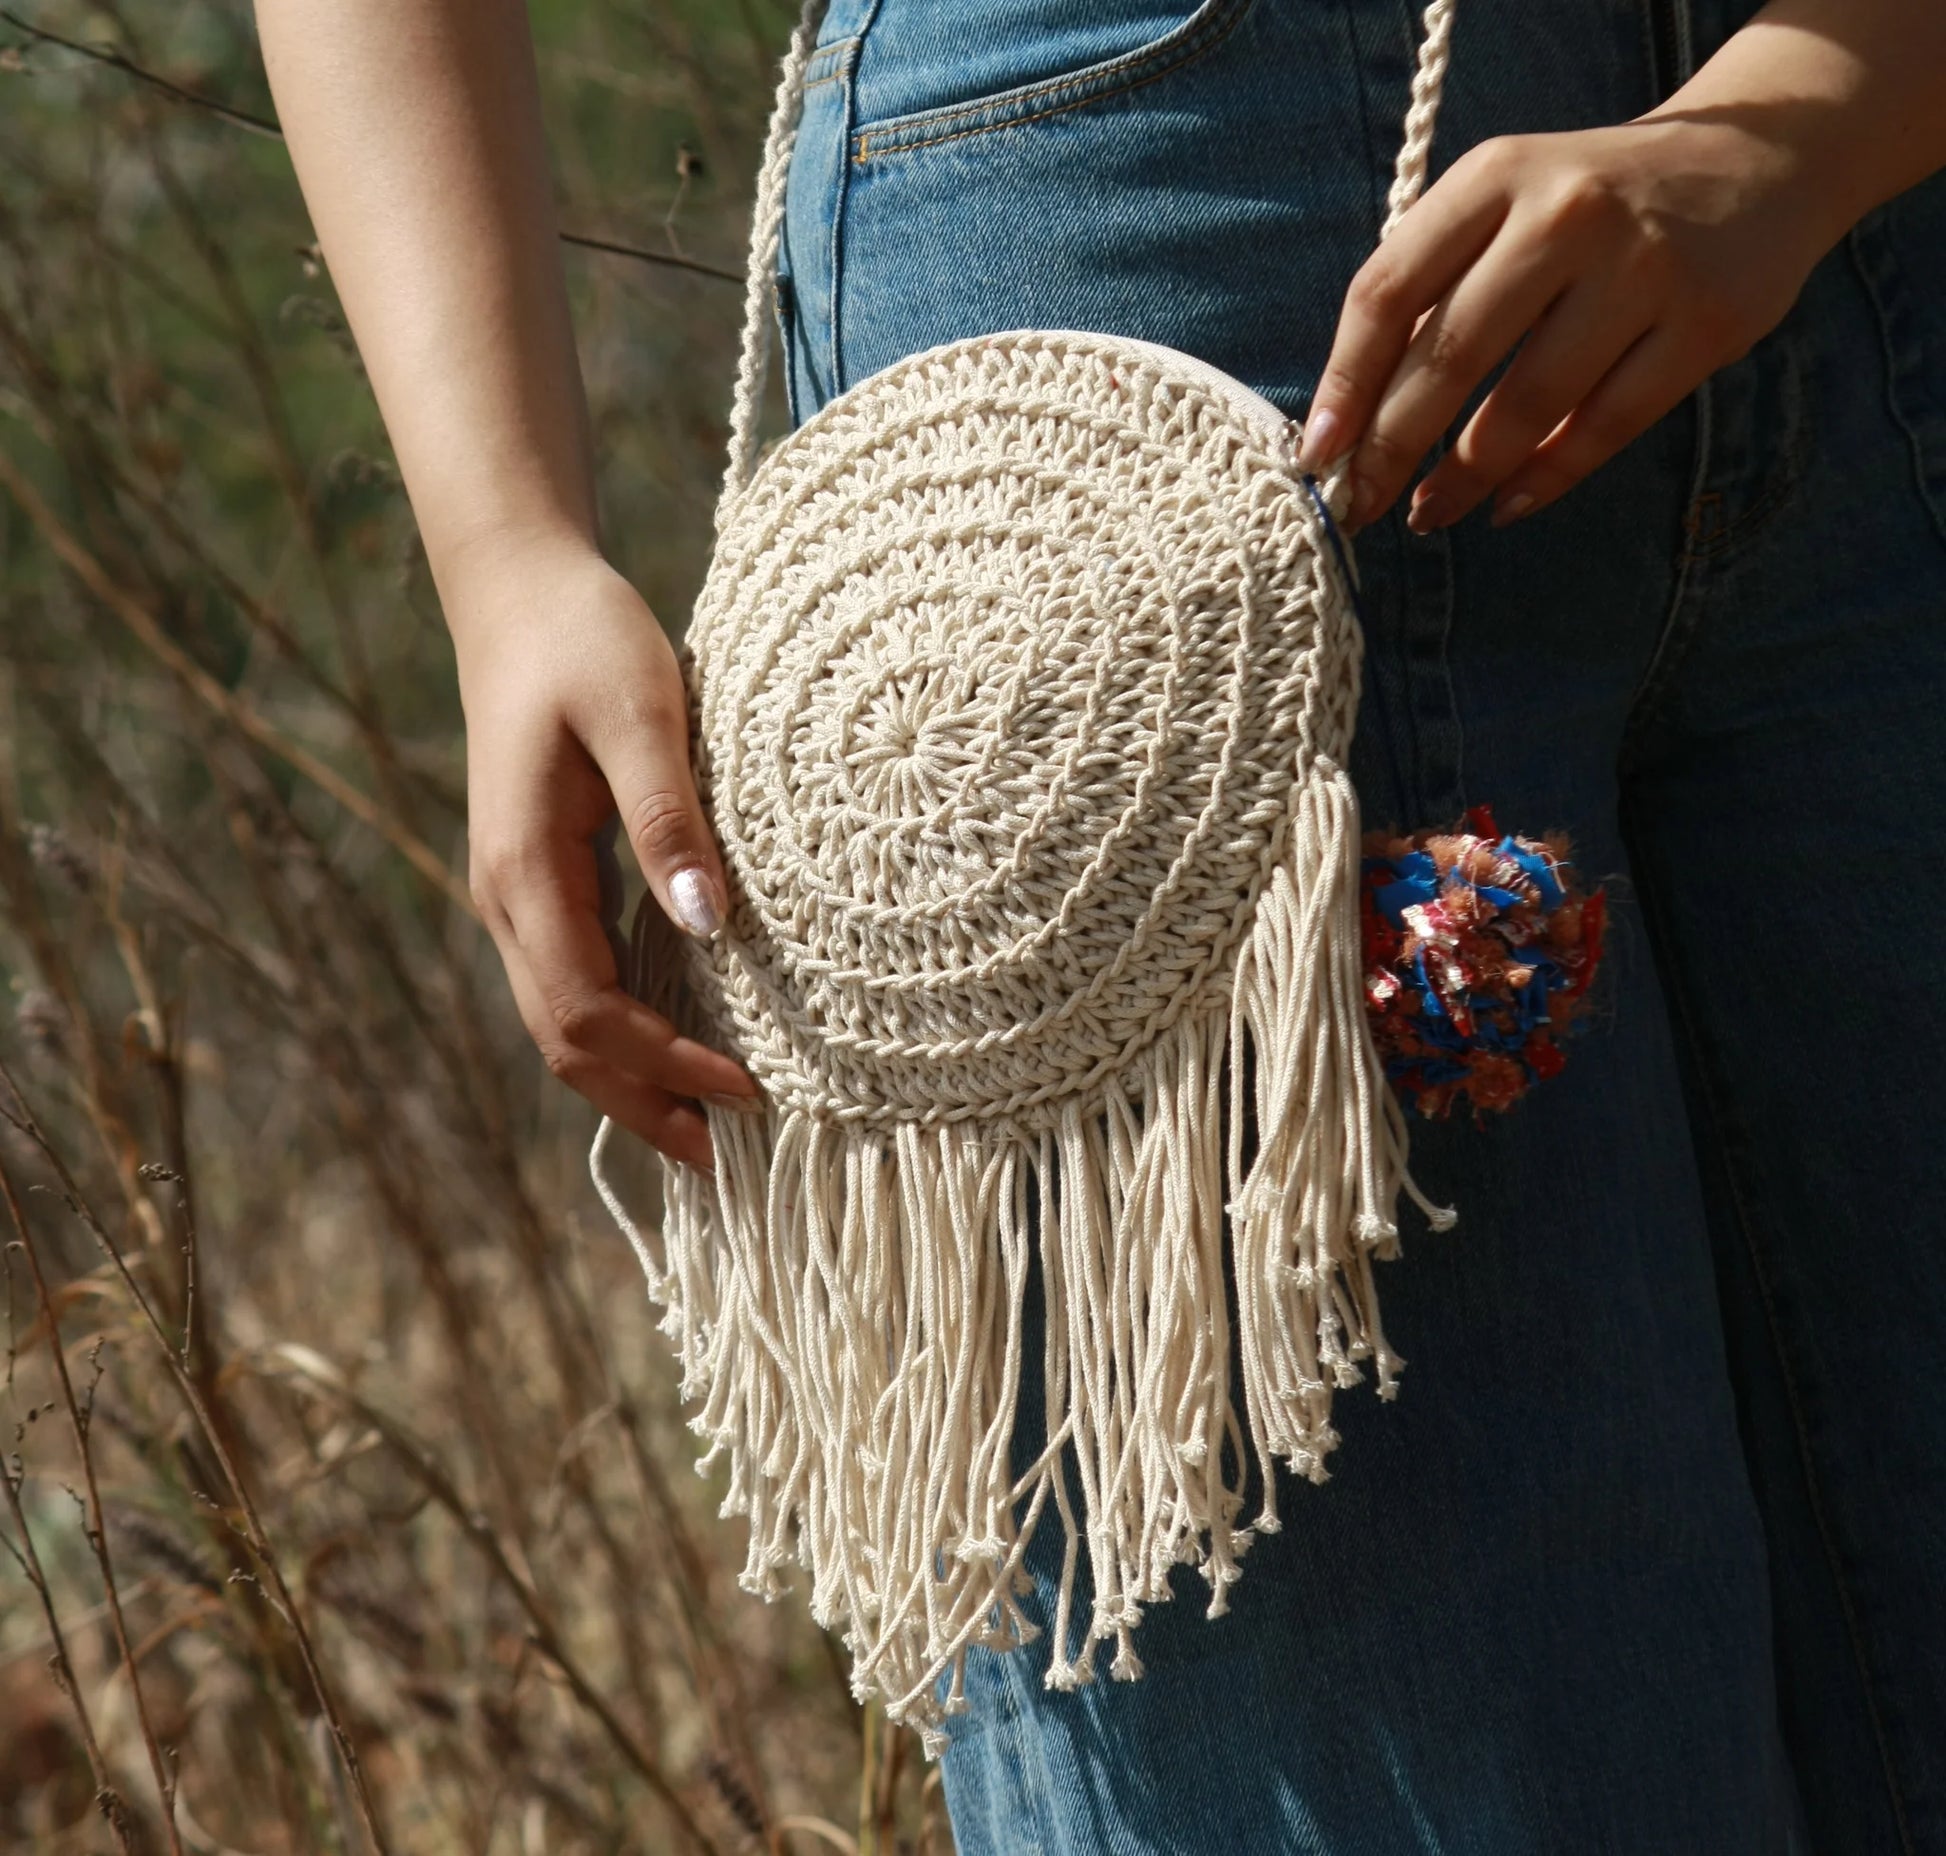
(1246, 400)
(1248, 404)
(1253, 407)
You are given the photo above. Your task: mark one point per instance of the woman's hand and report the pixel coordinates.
(416, 129)
(575, 711)
(1626, 264)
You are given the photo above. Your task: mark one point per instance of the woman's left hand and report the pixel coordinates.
(1626, 264)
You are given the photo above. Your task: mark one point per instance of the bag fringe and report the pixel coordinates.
(846, 1303)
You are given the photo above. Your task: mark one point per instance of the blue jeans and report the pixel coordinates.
(1650, 1554)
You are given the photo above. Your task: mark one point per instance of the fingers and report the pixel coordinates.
(545, 918)
(1464, 337)
(1649, 381)
(647, 769)
(574, 1005)
(569, 723)
(1429, 250)
(1574, 345)
(675, 1127)
(1617, 267)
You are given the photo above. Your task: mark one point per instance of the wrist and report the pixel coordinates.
(1756, 165)
(1802, 109)
(491, 566)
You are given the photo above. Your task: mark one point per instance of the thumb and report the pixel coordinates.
(655, 795)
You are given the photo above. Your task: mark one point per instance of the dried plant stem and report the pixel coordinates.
(315, 1371)
(820, 1827)
(53, 411)
(107, 1799)
(139, 620)
(719, 1682)
(100, 1096)
(292, 473)
(283, 1066)
(254, 124)
(23, 1119)
(931, 1794)
(96, 1527)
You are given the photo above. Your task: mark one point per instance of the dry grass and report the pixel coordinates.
(349, 1503)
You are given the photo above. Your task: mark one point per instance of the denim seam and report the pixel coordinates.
(1680, 619)
(1446, 666)
(1915, 445)
(1699, 547)
(848, 57)
(1429, 729)
(1685, 1026)
(1438, 677)
(1672, 57)
(1095, 84)
(1783, 343)
(1375, 190)
(1428, 600)
(834, 52)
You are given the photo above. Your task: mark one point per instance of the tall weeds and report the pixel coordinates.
(349, 1505)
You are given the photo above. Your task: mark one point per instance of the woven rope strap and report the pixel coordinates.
(767, 210)
(1023, 681)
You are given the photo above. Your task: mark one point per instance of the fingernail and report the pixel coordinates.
(1321, 436)
(1428, 513)
(1358, 510)
(744, 1105)
(693, 896)
(1512, 509)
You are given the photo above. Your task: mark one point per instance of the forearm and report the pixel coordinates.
(415, 127)
(1853, 90)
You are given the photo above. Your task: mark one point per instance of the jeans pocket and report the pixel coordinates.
(1198, 32)
(809, 246)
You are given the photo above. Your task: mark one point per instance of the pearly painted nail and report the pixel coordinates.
(693, 897)
(1512, 509)
(1321, 444)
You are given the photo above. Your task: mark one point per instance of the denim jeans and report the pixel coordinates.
(1650, 1553)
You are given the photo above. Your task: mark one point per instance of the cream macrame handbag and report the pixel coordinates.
(1022, 686)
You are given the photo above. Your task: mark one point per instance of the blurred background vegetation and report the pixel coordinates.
(349, 1505)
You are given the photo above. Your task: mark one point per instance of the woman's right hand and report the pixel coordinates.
(575, 712)
(416, 129)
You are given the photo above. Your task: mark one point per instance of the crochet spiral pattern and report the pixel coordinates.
(1022, 685)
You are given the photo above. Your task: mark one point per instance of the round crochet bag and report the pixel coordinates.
(1022, 685)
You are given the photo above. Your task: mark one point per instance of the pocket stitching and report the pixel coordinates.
(1200, 34)
(835, 54)
(848, 51)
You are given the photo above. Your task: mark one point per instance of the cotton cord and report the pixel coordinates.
(1409, 171)
(1428, 86)
(767, 213)
(760, 276)
(1022, 686)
